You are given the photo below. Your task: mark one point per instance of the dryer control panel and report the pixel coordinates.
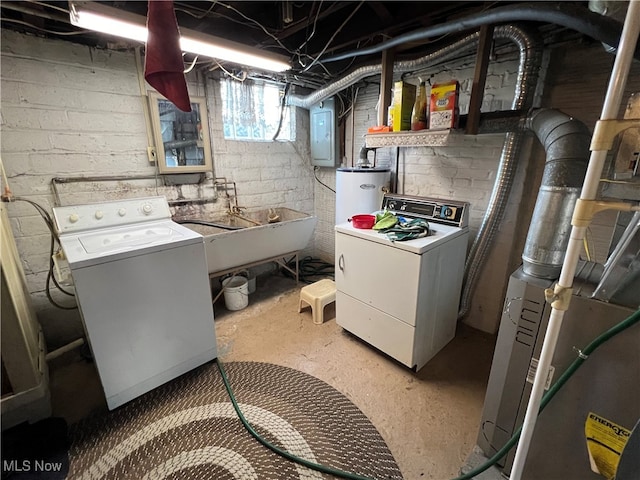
(447, 212)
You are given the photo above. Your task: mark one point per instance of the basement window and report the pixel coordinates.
(251, 111)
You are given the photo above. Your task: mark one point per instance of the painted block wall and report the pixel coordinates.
(69, 111)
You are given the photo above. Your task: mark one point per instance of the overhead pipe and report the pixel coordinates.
(523, 38)
(580, 19)
(467, 44)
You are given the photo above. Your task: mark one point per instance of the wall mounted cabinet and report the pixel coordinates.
(182, 138)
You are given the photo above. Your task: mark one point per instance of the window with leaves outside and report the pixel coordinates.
(253, 111)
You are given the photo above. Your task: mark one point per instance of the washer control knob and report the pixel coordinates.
(122, 212)
(73, 218)
(147, 209)
(99, 214)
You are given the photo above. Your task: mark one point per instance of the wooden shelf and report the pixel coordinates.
(420, 138)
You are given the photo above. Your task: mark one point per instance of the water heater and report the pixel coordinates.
(360, 190)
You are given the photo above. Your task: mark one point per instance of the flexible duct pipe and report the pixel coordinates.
(530, 59)
(584, 21)
(566, 142)
(465, 45)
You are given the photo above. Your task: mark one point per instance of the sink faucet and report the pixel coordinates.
(235, 210)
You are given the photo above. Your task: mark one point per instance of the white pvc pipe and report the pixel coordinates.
(610, 108)
(64, 349)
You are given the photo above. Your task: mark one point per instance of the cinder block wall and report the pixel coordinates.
(71, 111)
(68, 110)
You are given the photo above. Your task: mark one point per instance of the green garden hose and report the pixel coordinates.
(582, 356)
(279, 451)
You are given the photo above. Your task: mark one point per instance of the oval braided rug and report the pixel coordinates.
(187, 429)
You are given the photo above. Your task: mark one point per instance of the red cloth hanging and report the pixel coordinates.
(163, 65)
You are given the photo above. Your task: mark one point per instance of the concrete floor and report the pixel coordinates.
(429, 419)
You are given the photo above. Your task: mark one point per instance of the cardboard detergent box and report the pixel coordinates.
(444, 111)
(404, 95)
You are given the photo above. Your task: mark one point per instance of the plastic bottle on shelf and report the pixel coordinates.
(390, 112)
(419, 115)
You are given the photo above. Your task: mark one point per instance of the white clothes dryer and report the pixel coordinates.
(402, 297)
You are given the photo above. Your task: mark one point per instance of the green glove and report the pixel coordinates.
(385, 220)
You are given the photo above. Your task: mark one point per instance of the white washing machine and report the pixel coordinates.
(402, 297)
(142, 286)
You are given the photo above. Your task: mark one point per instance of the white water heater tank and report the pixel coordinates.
(360, 191)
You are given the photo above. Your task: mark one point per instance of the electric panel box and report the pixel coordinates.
(324, 134)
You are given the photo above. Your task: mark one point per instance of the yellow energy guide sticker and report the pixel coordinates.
(605, 442)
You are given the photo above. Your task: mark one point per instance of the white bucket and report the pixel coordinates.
(236, 292)
(248, 274)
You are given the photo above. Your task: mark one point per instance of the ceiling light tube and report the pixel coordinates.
(101, 18)
(201, 44)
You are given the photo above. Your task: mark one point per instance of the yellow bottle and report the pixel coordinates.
(419, 114)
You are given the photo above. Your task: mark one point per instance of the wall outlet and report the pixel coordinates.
(151, 155)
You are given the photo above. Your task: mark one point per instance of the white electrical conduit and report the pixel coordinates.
(144, 97)
(562, 291)
(64, 349)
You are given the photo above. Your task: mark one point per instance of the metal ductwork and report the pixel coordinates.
(523, 38)
(530, 59)
(542, 248)
(566, 142)
(465, 45)
(530, 52)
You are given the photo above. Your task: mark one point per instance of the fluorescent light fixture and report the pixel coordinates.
(200, 44)
(101, 23)
(101, 18)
